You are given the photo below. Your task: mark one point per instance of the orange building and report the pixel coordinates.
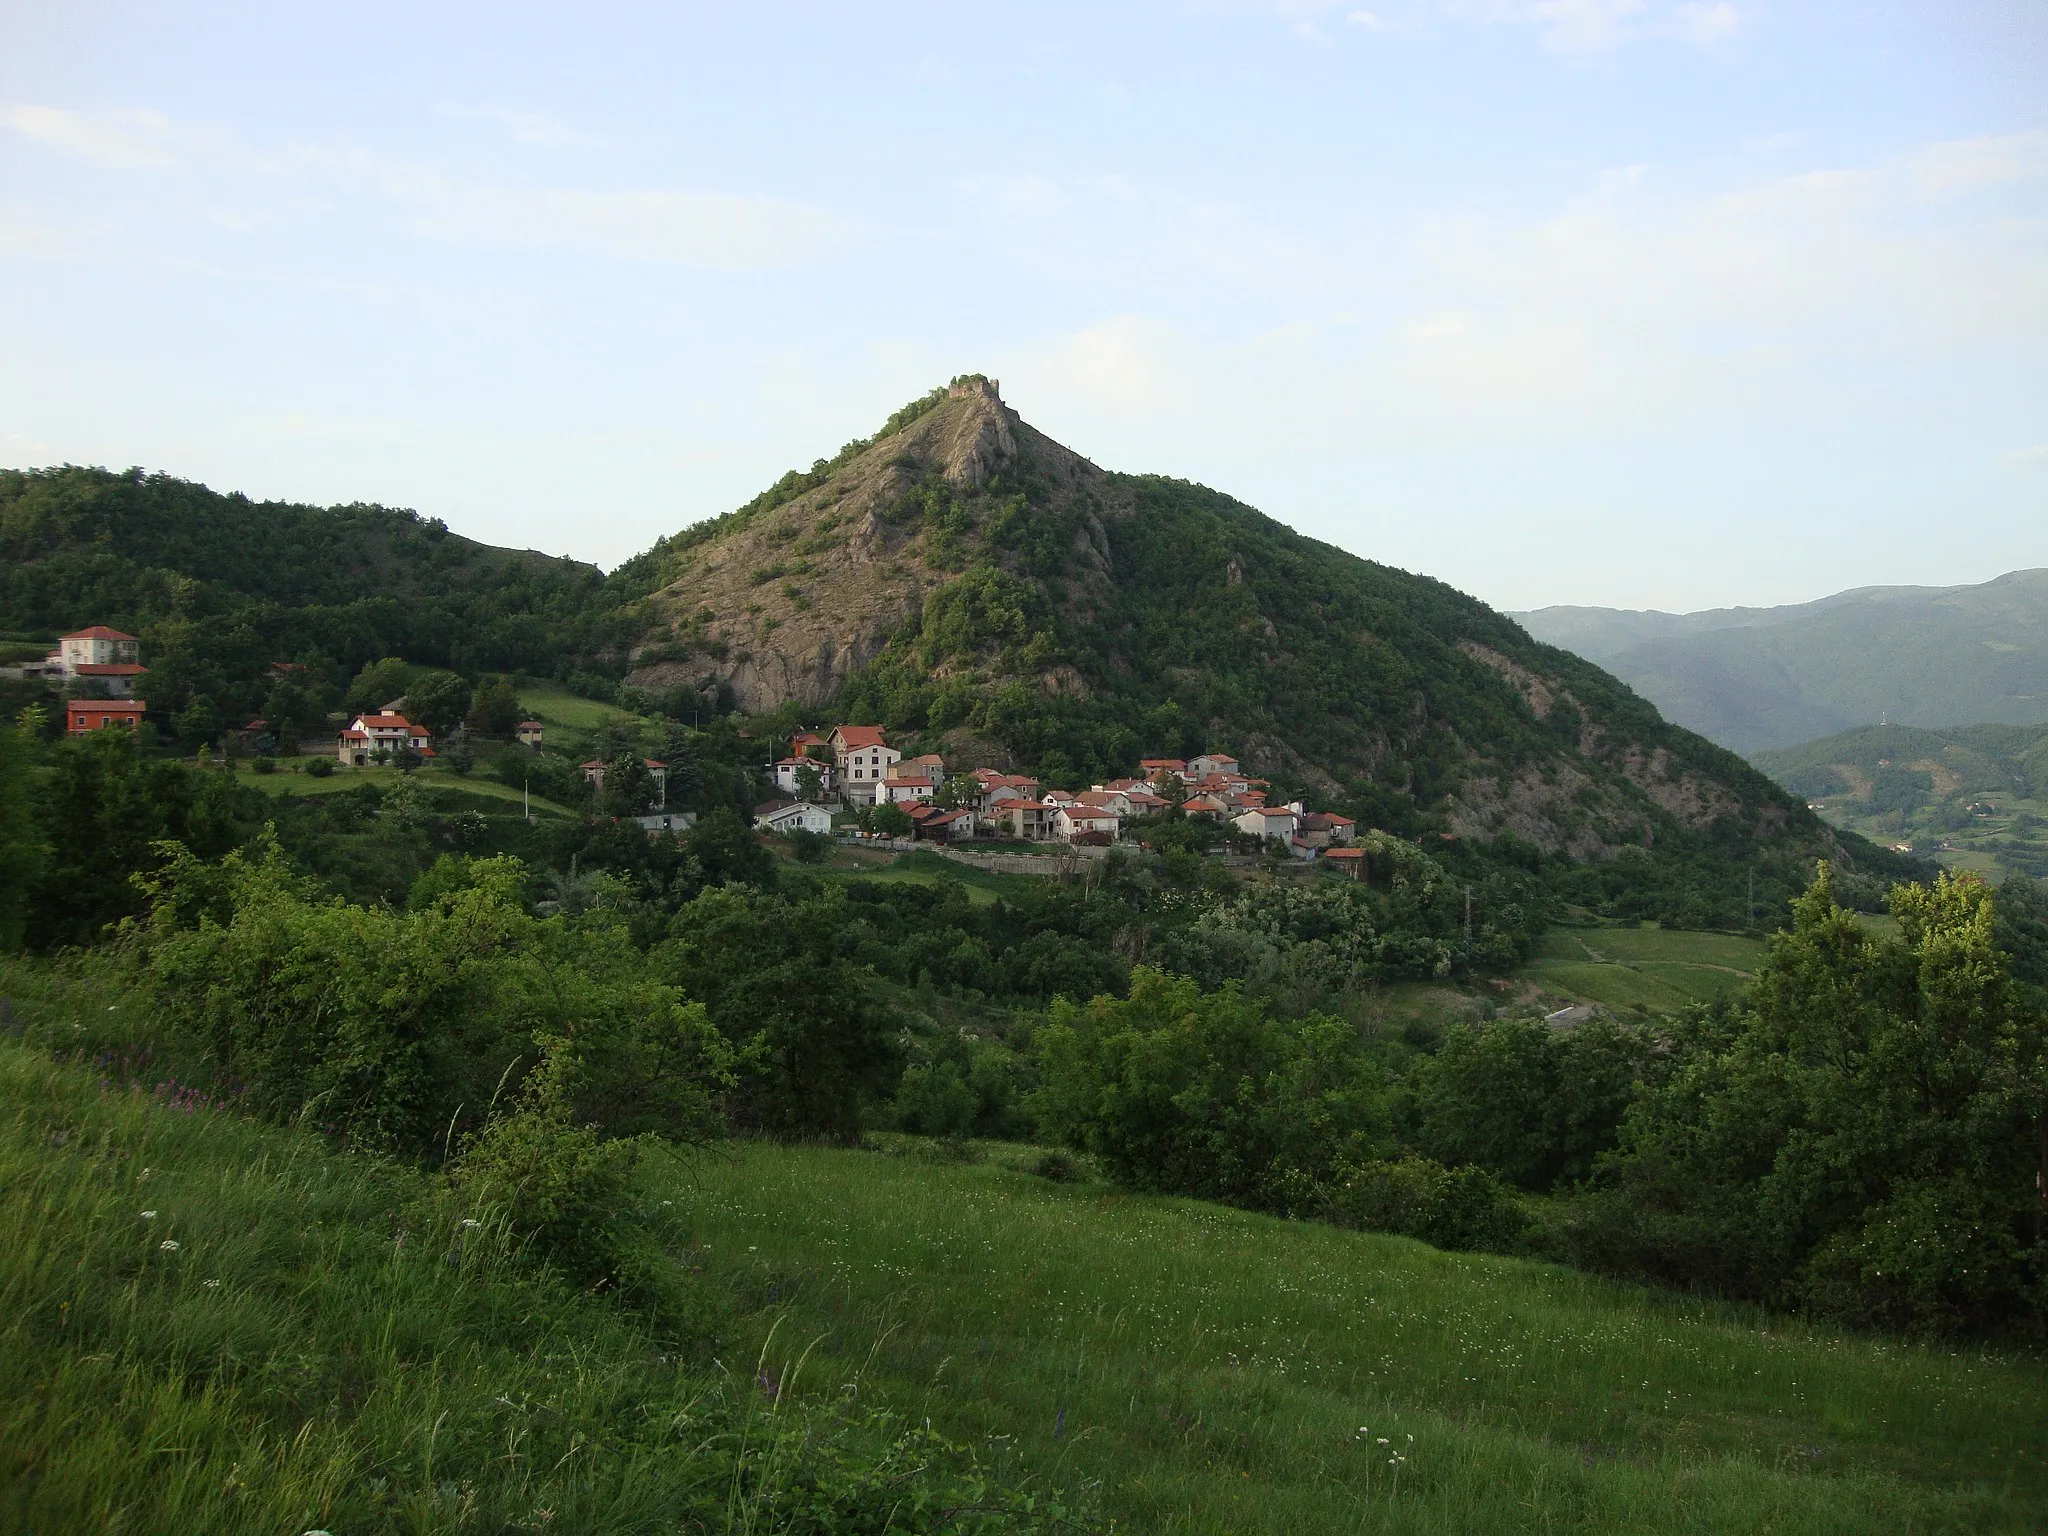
(84, 716)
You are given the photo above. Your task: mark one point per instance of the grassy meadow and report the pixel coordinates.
(438, 785)
(1217, 1371)
(1660, 969)
(210, 1325)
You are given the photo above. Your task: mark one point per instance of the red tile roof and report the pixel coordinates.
(97, 632)
(858, 736)
(108, 669)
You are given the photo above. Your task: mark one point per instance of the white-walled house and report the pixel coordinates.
(99, 655)
(1071, 823)
(863, 759)
(1268, 821)
(386, 732)
(787, 770)
(1199, 768)
(792, 816)
(906, 790)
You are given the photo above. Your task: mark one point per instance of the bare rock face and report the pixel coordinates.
(979, 439)
(802, 596)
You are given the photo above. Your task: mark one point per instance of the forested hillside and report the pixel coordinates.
(218, 587)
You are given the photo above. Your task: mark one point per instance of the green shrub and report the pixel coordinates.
(1459, 1208)
(264, 765)
(1207, 1094)
(553, 1181)
(320, 767)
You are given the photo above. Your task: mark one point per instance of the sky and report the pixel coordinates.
(1642, 303)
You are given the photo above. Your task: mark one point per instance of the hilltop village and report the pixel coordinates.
(855, 767)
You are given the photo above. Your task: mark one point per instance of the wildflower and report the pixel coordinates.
(1383, 1439)
(168, 1245)
(145, 1173)
(211, 1285)
(471, 1221)
(149, 1215)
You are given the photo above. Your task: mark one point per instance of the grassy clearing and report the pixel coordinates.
(1214, 1369)
(436, 785)
(1660, 969)
(554, 706)
(984, 887)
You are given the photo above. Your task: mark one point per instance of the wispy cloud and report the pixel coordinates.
(715, 229)
(537, 129)
(1627, 305)
(1982, 162)
(1563, 26)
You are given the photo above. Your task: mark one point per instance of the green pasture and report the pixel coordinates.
(1661, 969)
(1215, 1371)
(555, 706)
(437, 784)
(984, 887)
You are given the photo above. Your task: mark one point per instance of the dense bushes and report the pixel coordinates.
(1862, 1139)
(1420, 1197)
(399, 1030)
(1207, 1094)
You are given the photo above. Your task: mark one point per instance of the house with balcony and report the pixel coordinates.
(102, 658)
(863, 760)
(385, 732)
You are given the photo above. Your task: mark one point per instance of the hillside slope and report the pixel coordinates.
(218, 586)
(964, 576)
(1756, 679)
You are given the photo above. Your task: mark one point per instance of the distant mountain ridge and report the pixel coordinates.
(1756, 679)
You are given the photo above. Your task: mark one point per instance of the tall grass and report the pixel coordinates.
(1218, 1371)
(207, 1325)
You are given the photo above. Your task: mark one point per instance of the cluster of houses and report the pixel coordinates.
(856, 765)
(99, 667)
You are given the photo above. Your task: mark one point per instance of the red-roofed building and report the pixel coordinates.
(1350, 860)
(863, 759)
(530, 732)
(788, 768)
(1085, 823)
(905, 790)
(102, 657)
(1205, 805)
(84, 716)
(386, 732)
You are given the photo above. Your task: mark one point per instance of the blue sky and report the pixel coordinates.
(1651, 303)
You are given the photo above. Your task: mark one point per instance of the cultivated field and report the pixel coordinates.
(1656, 968)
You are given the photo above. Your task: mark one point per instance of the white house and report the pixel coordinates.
(787, 770)
(1071, 823)
(863, 759)
(97, 655)
(391, 734)
(907, 790)
(1268, 821)
(1199, 768)
(792, 816)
